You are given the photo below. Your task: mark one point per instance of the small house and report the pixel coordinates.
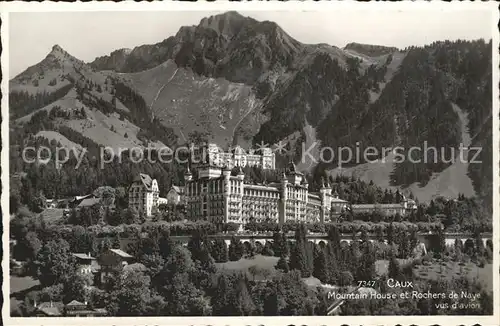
(113, 260)
(86, 263)
(79, 309)
(48, 309)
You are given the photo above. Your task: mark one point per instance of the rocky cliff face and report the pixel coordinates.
(116, 60)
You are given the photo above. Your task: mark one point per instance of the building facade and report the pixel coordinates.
(212, 154)
(85, 262)
(220, 197)
(406, 206)
(143, 194)
(111, 261)
(174, 195)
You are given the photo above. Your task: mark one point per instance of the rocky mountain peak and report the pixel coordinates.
(58, 54)
(57, 51)
(228, 23)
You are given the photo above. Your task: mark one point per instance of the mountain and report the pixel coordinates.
(116, 60)
(232, 79)
(229, 46)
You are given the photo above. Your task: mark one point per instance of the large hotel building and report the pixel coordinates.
(217, 196)
(214, 155)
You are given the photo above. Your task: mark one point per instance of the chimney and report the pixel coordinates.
(51, 305)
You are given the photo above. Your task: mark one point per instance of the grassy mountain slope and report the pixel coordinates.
(192, 103)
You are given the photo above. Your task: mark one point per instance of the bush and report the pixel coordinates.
(345, 278)
(417, 262)
(230, 227)
(267, 250)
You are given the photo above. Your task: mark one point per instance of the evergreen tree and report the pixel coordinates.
(223, 298)
(236, 249)
(282, 265)
(320, 265)
(394, 269)
(165, 244)
(334, 238)
(332, 264)
(268, 251)
(244, 303)
(367, 270)
(220, 251)
(103, 245)
(298, 259)
(196, 244)
(280, 244)
(458, 249)
(440, 248)
(309, 246)
(480, 249)
(116, 243)
(390, 234)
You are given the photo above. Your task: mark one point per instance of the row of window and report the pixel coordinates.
(261, 193)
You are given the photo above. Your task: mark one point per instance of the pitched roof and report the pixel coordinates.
(50, 308)
(87, 202)
(261, 187)
(82, 256)
(377, 206)
(313, 195)
(121, 253)
(76, 303)
(292, 169)
(145, 179)
(135, 266)
(83, 197)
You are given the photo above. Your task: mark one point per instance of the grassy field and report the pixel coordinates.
(449, 270)
(263, 263)
(52, 215)
(268, 263)
(382, 265)
(19, 287)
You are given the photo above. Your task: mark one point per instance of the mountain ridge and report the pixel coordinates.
(232, 79)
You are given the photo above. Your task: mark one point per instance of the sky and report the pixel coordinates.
(87, 35)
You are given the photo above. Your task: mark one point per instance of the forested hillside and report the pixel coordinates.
(235, 80)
